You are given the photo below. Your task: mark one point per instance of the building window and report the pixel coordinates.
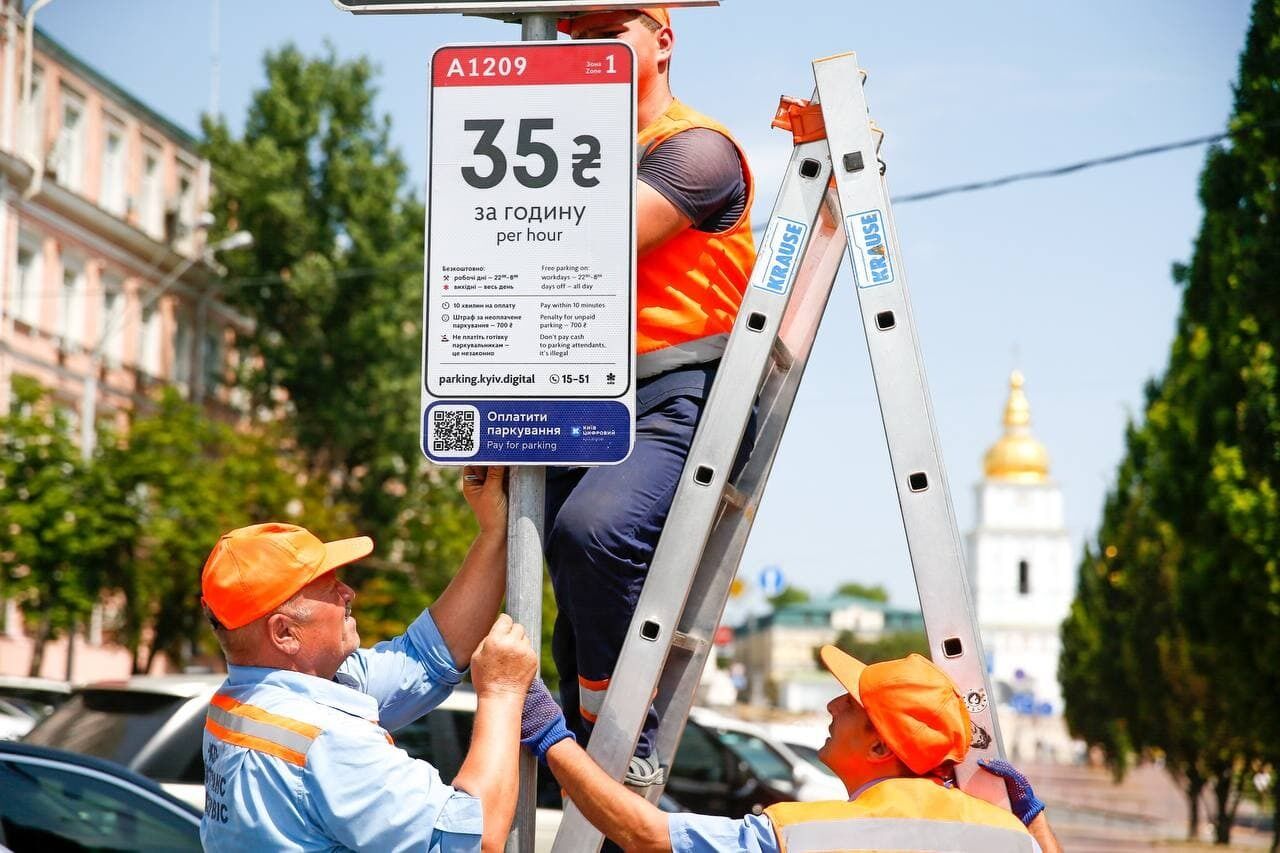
(111, 330)
(149, 342)
(34, 117)
(29, 281)
(68, 155)
(151, 192)
(1024, 578)
(182, 357)
(72, 328)
(212, 361)
(185, 210)
(111, 197)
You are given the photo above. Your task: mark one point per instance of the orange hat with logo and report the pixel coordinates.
(658, 13)
(255, 569)
(914, 706)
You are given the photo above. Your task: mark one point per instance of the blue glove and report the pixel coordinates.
(1023, 802)
(542, 723)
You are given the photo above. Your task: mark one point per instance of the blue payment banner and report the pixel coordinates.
(531, 432)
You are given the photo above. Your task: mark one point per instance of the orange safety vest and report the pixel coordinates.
(899, 814)
(688, 290)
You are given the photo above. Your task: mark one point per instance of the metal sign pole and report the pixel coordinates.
(527, 487)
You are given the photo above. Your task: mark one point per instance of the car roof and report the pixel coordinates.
(62, 756)
(186, 685)
(22, 682)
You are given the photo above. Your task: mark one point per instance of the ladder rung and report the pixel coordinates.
(782, 355)
(688, 642)
(735, 497)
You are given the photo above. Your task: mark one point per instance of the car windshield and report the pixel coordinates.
(810, 755)
(764, 759)
(111, 724)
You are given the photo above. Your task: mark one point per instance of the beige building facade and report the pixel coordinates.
(103, 269)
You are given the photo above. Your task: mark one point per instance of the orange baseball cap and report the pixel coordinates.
(658, 13)
(914, 706)
(255, 569)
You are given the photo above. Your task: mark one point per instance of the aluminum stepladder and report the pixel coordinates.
(845, 210)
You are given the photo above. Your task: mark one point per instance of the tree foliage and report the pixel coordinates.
(130, 528)
(334, 285)
(789, 595)
(889, 646)
(871, 592)
(1174, 625)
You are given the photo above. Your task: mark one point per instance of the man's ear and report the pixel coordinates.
(666, 44)
(878, 753)
(282, 632)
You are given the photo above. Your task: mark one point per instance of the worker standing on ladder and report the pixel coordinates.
(895, 736)
(694, 255)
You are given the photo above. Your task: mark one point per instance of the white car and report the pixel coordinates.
(154, 725)
(772, 759)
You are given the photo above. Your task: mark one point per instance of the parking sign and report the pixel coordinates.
(528, 327)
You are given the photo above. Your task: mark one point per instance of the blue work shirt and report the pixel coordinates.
(295, 762)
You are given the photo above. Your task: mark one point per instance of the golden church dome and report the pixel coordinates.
(1017, 457)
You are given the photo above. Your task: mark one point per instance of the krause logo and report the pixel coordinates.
(783, 242)
(872, 264)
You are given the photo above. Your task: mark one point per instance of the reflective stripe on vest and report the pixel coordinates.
(253, 728)
(900, 814)
(689, 289)
(897, 833)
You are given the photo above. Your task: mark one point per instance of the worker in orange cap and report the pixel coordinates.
(694, 256)
(297, 749)
(897, 732)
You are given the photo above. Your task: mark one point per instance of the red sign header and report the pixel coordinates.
(532, 64)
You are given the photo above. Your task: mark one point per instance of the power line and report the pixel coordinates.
(1059, 170)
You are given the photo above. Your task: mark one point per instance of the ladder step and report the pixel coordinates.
(687, 642)
(735, 497)
(782, 355)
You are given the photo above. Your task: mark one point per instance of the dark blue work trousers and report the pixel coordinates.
(603, 526)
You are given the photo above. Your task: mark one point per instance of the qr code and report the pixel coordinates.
(454, 431)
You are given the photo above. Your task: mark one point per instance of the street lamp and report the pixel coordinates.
(89, 405)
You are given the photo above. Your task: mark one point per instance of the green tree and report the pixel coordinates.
(51, 529)
(185, 479)
(870, 592)
(789, 595)
(1196, 539)
(334, 285)
(889, 646)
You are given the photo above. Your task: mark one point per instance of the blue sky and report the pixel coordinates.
(1067, 279)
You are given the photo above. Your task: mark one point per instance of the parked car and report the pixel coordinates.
(775, 767)
(803, 739)
(26, 701)
(57, 800)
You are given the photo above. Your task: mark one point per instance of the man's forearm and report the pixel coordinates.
(1040, 831)
(490, 771)
(469, 604)
(626, 818)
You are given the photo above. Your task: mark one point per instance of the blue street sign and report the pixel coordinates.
(771, 580)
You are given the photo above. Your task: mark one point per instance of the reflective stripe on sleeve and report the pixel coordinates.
(251, 727)
(874, 834)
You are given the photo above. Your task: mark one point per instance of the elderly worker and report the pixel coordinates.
(895, 737)
(298, 754)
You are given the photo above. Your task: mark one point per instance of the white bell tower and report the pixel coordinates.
(1021, 568)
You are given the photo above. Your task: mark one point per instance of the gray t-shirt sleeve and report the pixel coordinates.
(699, 171)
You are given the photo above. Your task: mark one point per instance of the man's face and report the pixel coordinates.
(634, 29)
(851, 739)
(328, 634)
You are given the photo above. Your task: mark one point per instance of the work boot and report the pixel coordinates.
(644, 772)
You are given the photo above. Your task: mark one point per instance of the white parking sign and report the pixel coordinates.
(529, 319)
